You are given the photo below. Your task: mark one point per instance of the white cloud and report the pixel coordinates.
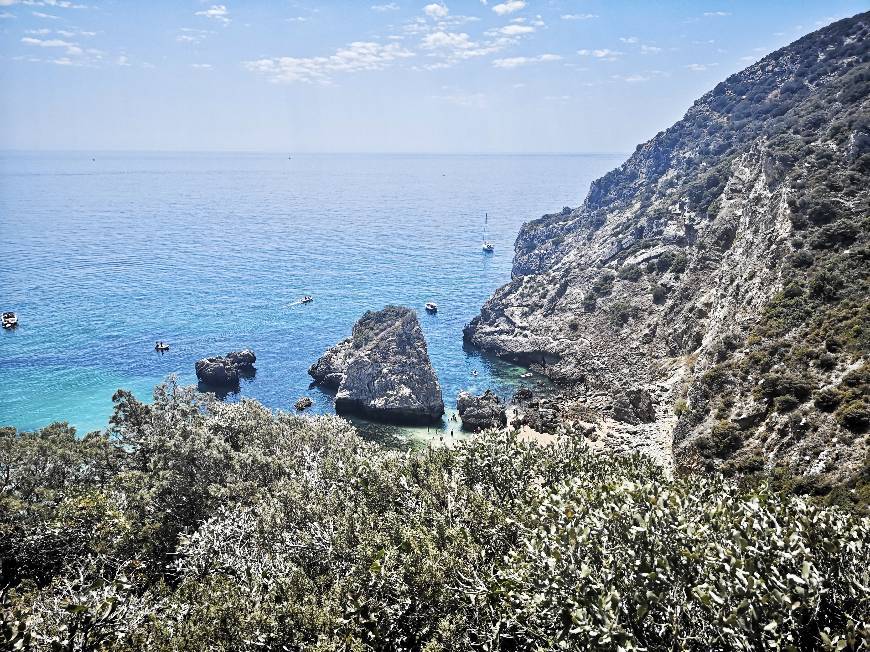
(201, 66)
(629, 39)
(192, 35)
(123, 60)
(516, 30)
(357, 56)
(508, 7)
(39, 14)
(216, 12)
(701, 67)
(297, 19)
(633, 78)
(578, 16)
(453, 47)
(604, 54)
(649, 49)
(436, 10)
(71, 48)
(391, 6)
(453, 40)
(41, 31)
(515, 62)
(717, 13)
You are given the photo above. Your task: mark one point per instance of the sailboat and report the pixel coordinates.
(487, 245)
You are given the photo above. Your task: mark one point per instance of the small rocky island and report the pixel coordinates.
(382, 372)
(225, 371)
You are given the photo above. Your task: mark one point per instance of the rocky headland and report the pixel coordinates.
(709, 299)
(383, 372)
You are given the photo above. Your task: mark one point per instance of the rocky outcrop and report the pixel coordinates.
(225, 371)
(708, 290)
(303, 404)
(481, 412)
(382, 372)
(634, 406)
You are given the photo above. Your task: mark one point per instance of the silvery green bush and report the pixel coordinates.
(199, 525)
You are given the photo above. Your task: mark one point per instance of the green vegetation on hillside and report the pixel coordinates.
(196, 525)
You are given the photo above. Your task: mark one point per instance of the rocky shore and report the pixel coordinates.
(383, 372)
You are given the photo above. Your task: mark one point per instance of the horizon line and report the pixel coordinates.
(310, 152)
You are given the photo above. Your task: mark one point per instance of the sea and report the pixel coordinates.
(104, 253)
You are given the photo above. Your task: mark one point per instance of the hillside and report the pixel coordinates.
(199, 525)
(711, 294)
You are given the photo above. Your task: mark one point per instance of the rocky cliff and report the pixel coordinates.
(382, 372)
(712, 292)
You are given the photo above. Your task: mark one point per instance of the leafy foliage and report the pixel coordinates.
(197, 525)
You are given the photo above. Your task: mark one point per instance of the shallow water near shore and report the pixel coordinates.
(211, 252)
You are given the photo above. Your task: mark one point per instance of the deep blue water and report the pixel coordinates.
(102, 257)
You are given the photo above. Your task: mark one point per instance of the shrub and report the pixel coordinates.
(774, 385)
(603, 284)
(659, 294)
(828, 398)
(620, 314)
(724, 439)
(826, 285)
(785, 403)
(801, 259)
(306, 537)
(854, 415)
(679, 262)
(630, 272)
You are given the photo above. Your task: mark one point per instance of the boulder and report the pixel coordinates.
(481, 412)
(303, 404)
(243, 359)
(382, 372)
(224, 371)
(634, 406)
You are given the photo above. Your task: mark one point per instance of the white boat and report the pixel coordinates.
(10, 320)
(431, 307)
(161, 346)
(306, 299)
(488, 247)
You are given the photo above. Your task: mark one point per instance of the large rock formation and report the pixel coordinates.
(382, 372)
(714, 288)
(481, 412)
(225, 371)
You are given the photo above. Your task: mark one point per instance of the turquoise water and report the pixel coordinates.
(103, 257)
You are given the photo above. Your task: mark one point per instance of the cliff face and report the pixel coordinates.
(713, 290)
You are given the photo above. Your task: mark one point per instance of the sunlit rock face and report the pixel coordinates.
(383, 372)
(727, 255)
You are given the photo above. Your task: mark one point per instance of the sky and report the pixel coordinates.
(470, 76)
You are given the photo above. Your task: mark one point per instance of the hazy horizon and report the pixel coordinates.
(472, 77)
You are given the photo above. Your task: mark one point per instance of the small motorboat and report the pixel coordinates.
(488, 247)
(432, 307)
(10, 320)
(306, 299)
(161, 346)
